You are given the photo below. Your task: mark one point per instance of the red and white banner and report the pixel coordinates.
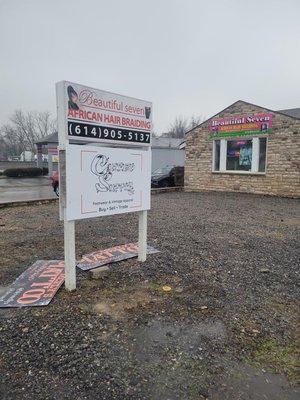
(36, 286)
(111, 255)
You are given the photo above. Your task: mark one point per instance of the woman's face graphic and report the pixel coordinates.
(74, 97)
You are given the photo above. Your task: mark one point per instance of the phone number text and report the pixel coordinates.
(105, 132)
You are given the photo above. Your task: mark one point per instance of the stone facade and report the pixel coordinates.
(282, 176)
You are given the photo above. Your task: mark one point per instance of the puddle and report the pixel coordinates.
(246, 382)
(178, 359)
(184, 338)
(175, 356)
(162, 333)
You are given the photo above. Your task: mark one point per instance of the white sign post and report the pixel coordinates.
(98, 181)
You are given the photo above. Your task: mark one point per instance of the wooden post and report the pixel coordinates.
(142, 251)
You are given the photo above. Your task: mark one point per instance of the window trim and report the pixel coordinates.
(255, 156)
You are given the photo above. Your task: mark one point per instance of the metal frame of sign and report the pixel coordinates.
(83, 131)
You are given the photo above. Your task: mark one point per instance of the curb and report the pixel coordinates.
(167, 190)
(26, 203)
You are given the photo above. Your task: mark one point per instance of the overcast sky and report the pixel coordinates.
(189, 57)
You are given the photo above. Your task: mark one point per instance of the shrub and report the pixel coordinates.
(22, 172)
(45, 171)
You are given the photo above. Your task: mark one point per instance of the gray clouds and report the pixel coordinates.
(187, 56)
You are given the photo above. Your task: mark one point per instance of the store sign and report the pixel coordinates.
(36, 286)
(111, 255)
(105, 181)
(95, 115)
(241, 125)
(102, 181)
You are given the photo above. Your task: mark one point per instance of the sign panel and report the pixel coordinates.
(241, 125)
(111, 255)
(36, 286)
(95, 115)
(98, 181)
(105, 181)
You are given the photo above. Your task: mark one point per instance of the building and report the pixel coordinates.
(165, 152)
(245, 148)
(27, 155)
(51, 143)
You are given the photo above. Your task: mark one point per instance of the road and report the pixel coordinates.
(25, 189)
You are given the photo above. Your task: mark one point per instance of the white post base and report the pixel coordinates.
(142, 252)
(70, 260)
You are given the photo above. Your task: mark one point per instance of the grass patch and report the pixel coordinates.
(5, 206)
(279, 358)
(155, 287)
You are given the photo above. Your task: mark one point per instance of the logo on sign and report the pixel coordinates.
(88, 98)
(104, 170)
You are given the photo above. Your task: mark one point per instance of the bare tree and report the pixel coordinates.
(195, 121)
(178, 128)
(14, 141)
(32, 126)
(181, 125)
(24, 129)
(45, 124)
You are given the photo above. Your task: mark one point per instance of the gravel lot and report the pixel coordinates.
(226, 330)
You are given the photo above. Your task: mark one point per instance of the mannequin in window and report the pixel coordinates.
(245, 158)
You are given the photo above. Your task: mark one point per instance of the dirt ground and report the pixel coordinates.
(225, 331)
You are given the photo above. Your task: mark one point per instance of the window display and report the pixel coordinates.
(240, 155)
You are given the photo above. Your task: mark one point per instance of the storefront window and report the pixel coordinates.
(217, 155)
(262, 154)
(239, 155)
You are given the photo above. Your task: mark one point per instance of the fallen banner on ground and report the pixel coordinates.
(111, 255)
(36, 286)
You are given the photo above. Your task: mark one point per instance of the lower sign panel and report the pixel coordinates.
(36, 286)
(105, 181)
(111, 255)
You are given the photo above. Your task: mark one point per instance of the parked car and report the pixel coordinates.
(167, 176)
(55, 182)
